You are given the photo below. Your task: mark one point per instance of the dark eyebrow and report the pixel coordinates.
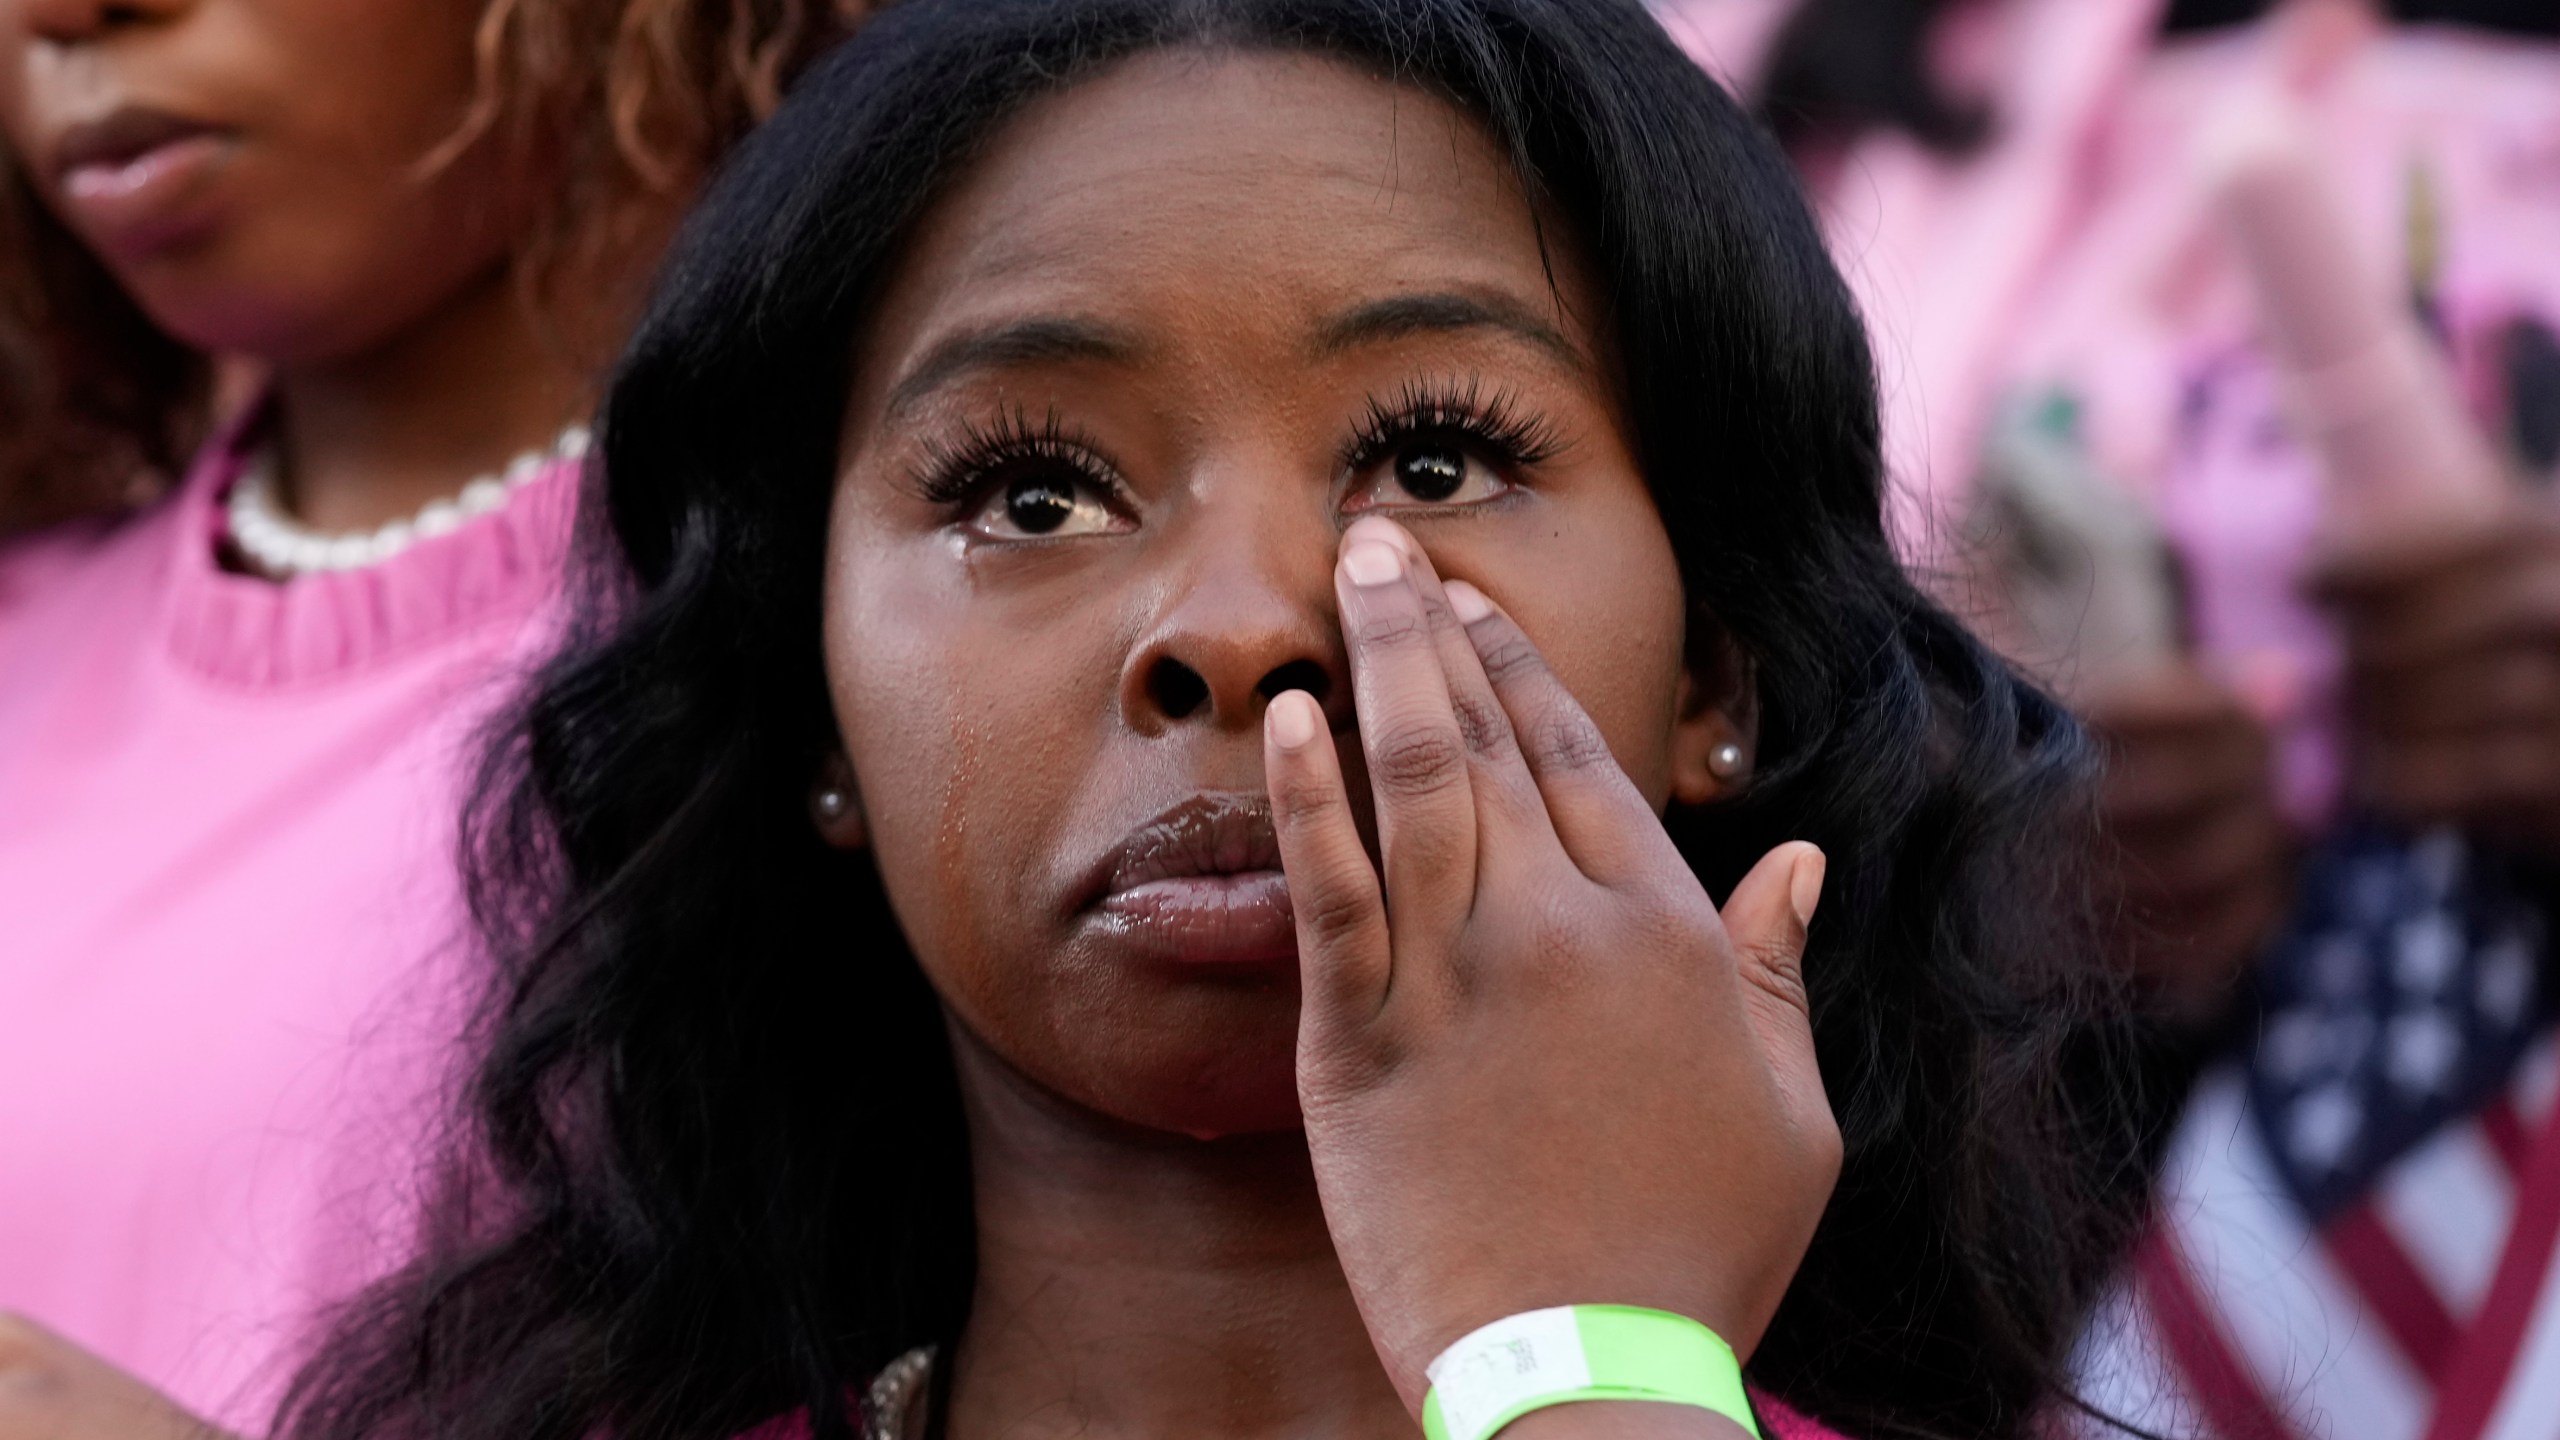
(1400, 316)
(1043, 340)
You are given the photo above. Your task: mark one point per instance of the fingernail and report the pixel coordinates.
(1804, 887)
(1371, 563)
(1384, 532)
(1292, 718)
(1467, 602)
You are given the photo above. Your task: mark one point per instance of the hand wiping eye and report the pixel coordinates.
(1528, 993)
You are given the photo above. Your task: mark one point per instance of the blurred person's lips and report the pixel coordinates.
(1199, 884)
(132, 179)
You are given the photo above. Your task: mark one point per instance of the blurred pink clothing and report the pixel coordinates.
(2076, 251)
(2076, 254)
(229, 923)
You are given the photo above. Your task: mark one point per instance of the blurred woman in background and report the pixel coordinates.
(2360, 1204)
(231, 720)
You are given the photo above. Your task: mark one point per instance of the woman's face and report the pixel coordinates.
(1175, 330)
(250, 170)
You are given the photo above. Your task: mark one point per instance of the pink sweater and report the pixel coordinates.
(229, 919)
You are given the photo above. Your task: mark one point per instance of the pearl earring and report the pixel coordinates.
(833, 803)
(1725, 761)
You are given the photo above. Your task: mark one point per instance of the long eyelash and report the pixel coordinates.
(958, 470)
(1493, 419)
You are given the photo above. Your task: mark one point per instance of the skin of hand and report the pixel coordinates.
(1168, 334)
(2201, 863)
(51, 1389)
(1536, 1067)
(264, 193)
(2453, 673)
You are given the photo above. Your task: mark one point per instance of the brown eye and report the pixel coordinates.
(1039, 506)
(1430, 472)
(1045, 500)
(1425, 470)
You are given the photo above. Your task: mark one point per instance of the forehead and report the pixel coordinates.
(1194, 184)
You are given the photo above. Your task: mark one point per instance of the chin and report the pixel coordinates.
(284, 306)
(1262, 1110)
(210, 306)
(1238, 1087)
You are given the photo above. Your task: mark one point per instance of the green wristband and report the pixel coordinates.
(1539, 1358)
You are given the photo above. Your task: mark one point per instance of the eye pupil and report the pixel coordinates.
(1038, 507)
(1431, 472)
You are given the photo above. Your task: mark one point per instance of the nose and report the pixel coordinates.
(70, 21)
(1250, 616)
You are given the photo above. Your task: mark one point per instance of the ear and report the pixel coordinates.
(1715, 736)
(835, 804)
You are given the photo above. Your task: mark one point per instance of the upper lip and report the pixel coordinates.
(1210, 834)
(120, 136)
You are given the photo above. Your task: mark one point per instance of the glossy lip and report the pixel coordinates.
(130, 177)
(1200, 884)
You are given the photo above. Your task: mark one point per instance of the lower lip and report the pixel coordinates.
(148, 201)
(1239, 919)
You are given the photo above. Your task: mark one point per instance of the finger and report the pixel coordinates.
(1507, 798)
(2210, 855)
(2371, 567)
(2172, 698)
(1605, 823)
(1344, 960)
(2517, 686)
(1426, 809)
(2163, 780)
(2506, 595)
(1767, 918)
(2493, 775)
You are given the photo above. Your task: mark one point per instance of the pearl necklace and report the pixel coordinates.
(281, 547)
(891, 1400)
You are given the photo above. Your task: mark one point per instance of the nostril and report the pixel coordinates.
(1176, 689)
(1304, 675)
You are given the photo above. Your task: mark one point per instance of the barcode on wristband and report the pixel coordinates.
(1537, 1352)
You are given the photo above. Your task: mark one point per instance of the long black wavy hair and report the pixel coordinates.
(714, 1168)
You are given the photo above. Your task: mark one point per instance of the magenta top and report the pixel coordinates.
(229, 917)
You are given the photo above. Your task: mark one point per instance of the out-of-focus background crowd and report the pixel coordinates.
(2223, 388)
(2220, 349)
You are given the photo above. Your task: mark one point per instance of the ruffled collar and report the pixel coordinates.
(321, 628)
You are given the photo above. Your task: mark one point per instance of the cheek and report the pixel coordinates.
(1597, 589)
(986, 736)
(335, 234)
(968, 745)
(14, 121)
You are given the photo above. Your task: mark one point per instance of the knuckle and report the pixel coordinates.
(1481, 725)
(1417, 760)
(1569, 743)
(1564, 944)
(1427, 861)
(1776, 970)
(1300, 798)
(1337, 1080)
(1334, 914)
(1556, 937)
(1380, 632)
(1510, 658)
